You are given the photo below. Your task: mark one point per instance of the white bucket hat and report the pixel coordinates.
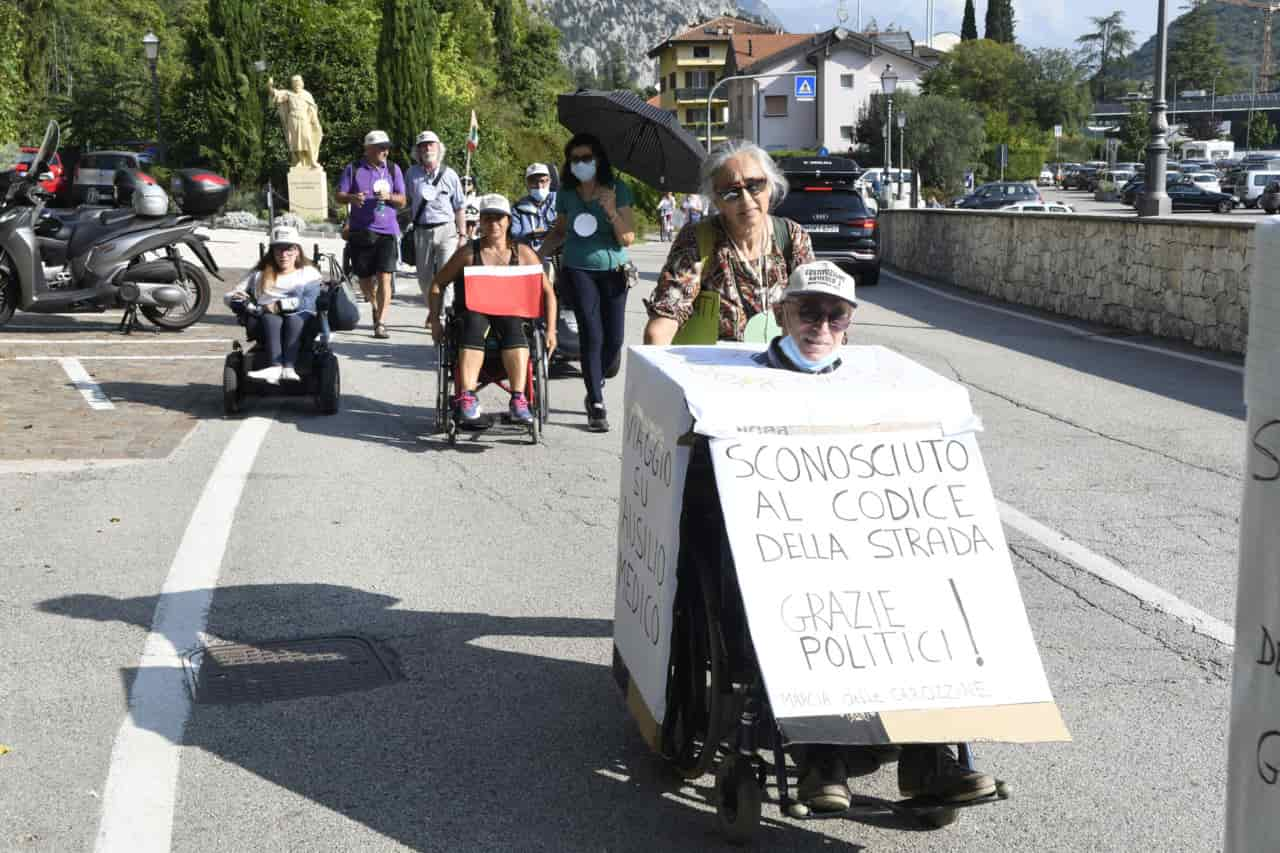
(494, 203)
(377, 137)
(822, 277)
(286, 235)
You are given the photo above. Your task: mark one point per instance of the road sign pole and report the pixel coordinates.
(711, 95)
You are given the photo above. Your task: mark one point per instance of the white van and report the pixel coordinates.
(1249, 186)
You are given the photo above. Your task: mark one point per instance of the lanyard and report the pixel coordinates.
(765, 251)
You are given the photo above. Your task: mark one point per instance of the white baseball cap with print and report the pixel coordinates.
(822, 277)
(426, 136)
(377, 137)
(284, 235)
(494, 203)
(537, 169)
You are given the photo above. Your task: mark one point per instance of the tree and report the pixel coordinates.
(504, 30)
(233, 96)
(1055, 90)
(13, 88)
(869, 130)
(1196, 57)
(1104, 49)
(1000, 21)
(969, 26)
(1261, 132)
(405, 77)
(944, 139)
(986, 73)
(1135, 132)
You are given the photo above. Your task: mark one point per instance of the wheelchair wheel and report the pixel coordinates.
(232, 389)
(738, 799)
(937, 818)
(701, 675)
(329, 380)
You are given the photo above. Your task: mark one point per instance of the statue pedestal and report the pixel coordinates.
(309, 193)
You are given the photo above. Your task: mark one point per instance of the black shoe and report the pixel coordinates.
(824, 783)
(933, 771)
(597, 419)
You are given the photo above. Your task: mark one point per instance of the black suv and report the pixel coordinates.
(822, 200)
(996, 195)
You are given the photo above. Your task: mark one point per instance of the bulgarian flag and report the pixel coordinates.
(473, 135)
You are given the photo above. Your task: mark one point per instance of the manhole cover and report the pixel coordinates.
(227, 673)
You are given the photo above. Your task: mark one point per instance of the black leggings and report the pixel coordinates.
(280, 332)
(508, 330)
(600, 304)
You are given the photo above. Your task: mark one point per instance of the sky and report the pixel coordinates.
(1039, 23)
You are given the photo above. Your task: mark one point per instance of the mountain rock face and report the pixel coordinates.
(589, 29)
(1238, 32)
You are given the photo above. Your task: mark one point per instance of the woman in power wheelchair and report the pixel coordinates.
(280, 304)
(715, 681)
(469, 330)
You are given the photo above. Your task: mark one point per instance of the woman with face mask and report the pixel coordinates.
(595, 226)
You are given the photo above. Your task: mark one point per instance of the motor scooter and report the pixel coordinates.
(93, 261)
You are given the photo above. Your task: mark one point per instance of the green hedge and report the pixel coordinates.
(1024, 163)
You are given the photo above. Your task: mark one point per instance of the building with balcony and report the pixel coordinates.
(691, 62)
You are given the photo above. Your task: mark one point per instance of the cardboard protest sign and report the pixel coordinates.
(1253, 781)
(878, 589)
(654, 465)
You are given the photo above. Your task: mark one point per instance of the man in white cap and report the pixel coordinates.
(374, 188)
(815, 310)
(535, 212)
(436, 200)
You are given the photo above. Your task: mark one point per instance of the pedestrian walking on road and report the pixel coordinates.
(595, 226)
(374, 189)
(436, 201)
(733, 253)
(275, 301)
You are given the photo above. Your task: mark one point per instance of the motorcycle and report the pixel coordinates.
(97, 260)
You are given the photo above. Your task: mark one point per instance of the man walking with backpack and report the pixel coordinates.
(436, 201)
(373, 187)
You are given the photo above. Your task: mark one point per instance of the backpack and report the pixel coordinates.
(703, 325)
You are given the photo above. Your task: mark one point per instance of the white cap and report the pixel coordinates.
(426, 136)
(377, 137)
(285, 234)
(537, 169)
(494, 203)
(822, 277)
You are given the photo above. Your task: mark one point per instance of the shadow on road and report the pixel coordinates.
(494, 739)
(1211, 388)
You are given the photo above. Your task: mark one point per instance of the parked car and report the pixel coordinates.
(1118, 177)
(1249, 186)
(841, 226)
(1131, 191)
(996, 195)
(95, 176)
(1186, 195)
(1038, 207)
(1269, 201)
(56, 183)
(1207, 180)
(1046, 177)
(1080, 179)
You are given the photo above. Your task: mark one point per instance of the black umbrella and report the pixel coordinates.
(642, 140)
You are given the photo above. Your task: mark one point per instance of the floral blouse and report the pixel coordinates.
(737, 283)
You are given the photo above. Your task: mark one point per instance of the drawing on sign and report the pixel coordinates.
(806, 88)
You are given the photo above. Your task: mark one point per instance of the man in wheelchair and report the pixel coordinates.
(493, 247)
(815, 313)
(275, 302)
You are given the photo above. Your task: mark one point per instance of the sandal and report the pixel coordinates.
(380, 331)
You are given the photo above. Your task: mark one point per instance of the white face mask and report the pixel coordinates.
(584, 171)
(539, 193)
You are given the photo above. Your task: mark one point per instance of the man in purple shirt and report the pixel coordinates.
(374, 188)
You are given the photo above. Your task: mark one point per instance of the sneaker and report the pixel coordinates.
(597, 420)
(934, 771)
(823, 787)
(520, 408)
(468, 407)
(270, 375)
(288, 374)
(380, 331)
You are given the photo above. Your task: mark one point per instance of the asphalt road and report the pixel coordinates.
(485, 574)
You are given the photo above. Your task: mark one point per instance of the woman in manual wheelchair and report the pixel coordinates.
(716, 695)
(281, 304)
(463, 335)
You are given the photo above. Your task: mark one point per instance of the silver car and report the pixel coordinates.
(94, 181)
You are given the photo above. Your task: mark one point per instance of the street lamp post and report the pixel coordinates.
(888, 84)
(151, 48)
(1155, 201)
(902, 159)
(1213, 104)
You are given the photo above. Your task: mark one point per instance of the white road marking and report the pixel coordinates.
(1067, 327)
(139, 794)
(90, 390)
(1109, 572)
(97, 341)
(114, 358)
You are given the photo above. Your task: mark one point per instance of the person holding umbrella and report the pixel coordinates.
(595, 227)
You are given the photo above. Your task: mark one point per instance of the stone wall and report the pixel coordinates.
(1181, 279)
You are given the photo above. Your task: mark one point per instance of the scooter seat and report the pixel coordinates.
(93, 230)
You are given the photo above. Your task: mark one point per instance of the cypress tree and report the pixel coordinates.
(504, 31)
(406, 87)
(999, 23)
(969, 26)
(234, 93)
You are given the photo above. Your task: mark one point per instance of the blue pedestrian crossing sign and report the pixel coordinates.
(807, 87)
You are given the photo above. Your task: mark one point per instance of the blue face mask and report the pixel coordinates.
(539, 193)
(584, 171)
(792, 352)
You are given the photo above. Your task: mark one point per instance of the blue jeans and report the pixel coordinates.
(281, 333)
(600, 304)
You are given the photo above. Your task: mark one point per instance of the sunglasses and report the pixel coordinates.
(755, 186)
(813, 314)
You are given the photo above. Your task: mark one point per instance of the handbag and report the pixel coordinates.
(344, 314)
(632, 274)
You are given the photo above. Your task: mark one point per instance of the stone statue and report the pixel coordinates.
(301, 122)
